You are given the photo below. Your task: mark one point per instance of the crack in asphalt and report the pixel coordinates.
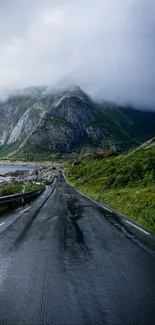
(72, 263)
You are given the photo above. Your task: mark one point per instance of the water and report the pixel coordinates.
(7, 169)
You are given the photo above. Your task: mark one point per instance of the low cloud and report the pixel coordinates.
(105, 46)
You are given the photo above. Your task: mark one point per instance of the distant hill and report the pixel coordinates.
(40, 123)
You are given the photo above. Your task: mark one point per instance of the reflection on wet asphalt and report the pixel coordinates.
(67, 261)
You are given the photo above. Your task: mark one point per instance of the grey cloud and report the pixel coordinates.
(105, 46)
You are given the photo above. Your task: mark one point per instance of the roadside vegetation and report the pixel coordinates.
(11, 189)
(6, 149)
(124, 182)
(17, 188)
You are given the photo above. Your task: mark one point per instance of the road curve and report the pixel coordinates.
(68, 261)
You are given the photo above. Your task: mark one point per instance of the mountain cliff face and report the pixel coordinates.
(39, 122)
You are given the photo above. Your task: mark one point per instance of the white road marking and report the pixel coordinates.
(25, 210)
(132, 224)
(1, 224)
(101, 205)
(89, 198)
(104, 207)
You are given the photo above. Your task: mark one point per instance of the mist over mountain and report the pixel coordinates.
(44, 122)
(105, 46)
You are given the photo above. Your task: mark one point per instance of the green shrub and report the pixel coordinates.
(17, 188)
(126, 182)
(10, 189)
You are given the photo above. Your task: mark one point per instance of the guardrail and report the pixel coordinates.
(5, 200)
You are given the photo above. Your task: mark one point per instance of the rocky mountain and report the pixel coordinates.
(40, 122)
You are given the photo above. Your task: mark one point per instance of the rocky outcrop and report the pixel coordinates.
(39, 121)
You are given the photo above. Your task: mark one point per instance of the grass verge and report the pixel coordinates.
(126, 183)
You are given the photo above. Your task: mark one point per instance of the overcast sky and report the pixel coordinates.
(107, 47)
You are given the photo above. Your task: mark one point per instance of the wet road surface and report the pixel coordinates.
(68, 261)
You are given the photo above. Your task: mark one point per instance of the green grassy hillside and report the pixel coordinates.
(125, 182)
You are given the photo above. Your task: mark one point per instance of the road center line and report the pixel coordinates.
(132, 224)
(25, 210)
(1, 224)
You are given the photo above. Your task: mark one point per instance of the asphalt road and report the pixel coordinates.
(66, 260)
